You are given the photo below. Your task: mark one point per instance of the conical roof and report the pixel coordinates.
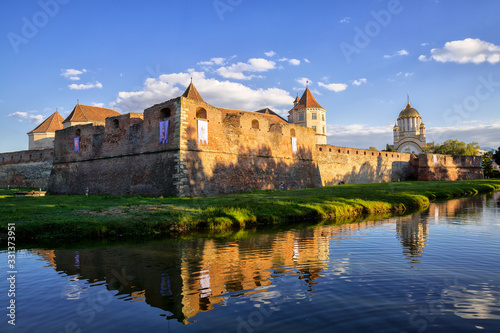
(83, 113)
(409, 112)
(192, 93)
(51, 124)
(307, 101)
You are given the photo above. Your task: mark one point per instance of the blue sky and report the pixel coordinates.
(361, 58)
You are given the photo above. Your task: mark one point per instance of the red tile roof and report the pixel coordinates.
(90, 113)
(307, 101)
(192, 93)
(51, 124)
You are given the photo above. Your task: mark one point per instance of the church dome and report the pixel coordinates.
(409, 112)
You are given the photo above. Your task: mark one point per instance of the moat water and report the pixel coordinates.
(434, 271)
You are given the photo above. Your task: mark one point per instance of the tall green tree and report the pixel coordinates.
(455, 147)
(487, 164)
(496, 156)
(389, 148)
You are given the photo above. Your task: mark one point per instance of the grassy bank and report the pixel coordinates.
(102, 215)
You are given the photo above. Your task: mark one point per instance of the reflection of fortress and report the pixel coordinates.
(186, 278)
(187, 147)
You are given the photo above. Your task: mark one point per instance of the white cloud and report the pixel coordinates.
(34, 118)
(294, 62)
(423, 58)
(224, 94)
(337, 87)
(346, 19)
(303, 81)
(37, 119)
(98, 104)
(424, 44)
(270, 53)
(398, 53)
(364, 136)
(19, 114)
(359, 82)
(465, 51)
(213, 61)
(82, 86)
(359, 135)
(236, 71)
(486, 134)
(72, 74)
(307, 60)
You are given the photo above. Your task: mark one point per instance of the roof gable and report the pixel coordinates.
(90, 113)
(192, 93)
(51, 124)
(307, 101)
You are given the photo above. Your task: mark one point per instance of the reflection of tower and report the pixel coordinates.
(412, 232)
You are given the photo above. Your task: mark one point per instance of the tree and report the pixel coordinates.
(487, 164)
(455, 147)
(373, 148)
(389, 148)
(496, 156)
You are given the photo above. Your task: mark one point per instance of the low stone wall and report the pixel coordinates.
(341, 165)
(212, 172)
(27, 168)
(446, 167)
(151, 174)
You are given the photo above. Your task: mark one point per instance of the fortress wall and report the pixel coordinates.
(240, 157)
(231, 131)
(27, 168)
(127, 134)
(356, 166)
(215, 172)
(446, 167)
(150, 174)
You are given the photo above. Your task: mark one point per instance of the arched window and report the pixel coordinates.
(165, 113)
(275, 128)
(77, 133)
(116, 123)
(292, 132)
(201, 113)
(255, 124)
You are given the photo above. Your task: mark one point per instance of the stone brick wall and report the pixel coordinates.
(445, 167)
(356, 166)
(27, 168)
(245, 151)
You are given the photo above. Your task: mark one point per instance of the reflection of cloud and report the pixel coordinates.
(475, 301)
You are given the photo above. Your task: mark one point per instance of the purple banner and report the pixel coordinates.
(76, 144)
(164, 132)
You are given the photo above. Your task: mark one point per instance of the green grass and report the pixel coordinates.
(73, 216)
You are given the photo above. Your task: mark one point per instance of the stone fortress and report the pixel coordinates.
(187, 147)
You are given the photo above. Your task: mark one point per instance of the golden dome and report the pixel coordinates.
(409, 112)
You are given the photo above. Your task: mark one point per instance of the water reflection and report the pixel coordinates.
(185, 277)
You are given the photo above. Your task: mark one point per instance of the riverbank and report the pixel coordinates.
(73, 216)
